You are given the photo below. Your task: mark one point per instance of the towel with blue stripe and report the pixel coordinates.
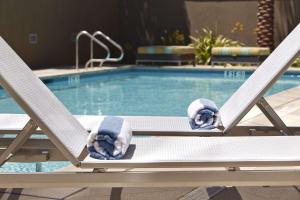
(109, 139)
(203, 114)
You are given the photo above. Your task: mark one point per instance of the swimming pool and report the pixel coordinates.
(140, 91)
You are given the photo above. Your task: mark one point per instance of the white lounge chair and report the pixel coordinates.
(169, 160)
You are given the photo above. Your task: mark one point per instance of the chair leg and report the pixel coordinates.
(17, 143)
(273, 117)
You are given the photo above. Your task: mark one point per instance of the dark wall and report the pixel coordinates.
(55, 22)
(131, 22)
(143, 22)
(147, 19)
(287, 16)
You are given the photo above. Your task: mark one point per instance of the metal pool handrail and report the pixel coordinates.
(114, 43)
(93, 39)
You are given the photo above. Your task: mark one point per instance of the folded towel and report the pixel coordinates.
(203, 114)
(109, 139)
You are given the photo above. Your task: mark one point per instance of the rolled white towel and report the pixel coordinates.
(109, 139)
(203, 114)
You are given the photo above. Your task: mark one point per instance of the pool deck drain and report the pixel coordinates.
(286, 104)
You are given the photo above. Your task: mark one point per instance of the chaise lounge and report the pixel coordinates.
(157, 160)
(166, 54)
(244, 55)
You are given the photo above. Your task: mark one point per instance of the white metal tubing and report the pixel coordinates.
(99, 33)
(273, 117)
(150, 179)
(20, 139)
(93, 39)
(90, 62)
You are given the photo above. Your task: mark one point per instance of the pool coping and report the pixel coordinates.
(61, 72)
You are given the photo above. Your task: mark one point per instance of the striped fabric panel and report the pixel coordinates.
(166, 50)
(241, 51)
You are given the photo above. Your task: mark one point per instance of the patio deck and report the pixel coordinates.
(287, 105)
(212, 193)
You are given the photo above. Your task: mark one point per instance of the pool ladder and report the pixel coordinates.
(93, 39)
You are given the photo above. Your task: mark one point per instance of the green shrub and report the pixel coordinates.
(296, 62)
(206, 41)
(173, 38)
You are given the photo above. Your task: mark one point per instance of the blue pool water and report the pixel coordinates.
(140, 91)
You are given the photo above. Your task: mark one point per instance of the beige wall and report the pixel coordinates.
(54, 21)
(130, 22)
(221, 17)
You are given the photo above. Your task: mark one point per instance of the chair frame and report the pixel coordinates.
(282, 172)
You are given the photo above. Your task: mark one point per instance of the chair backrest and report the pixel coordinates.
(237, 106)
(41, 104)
